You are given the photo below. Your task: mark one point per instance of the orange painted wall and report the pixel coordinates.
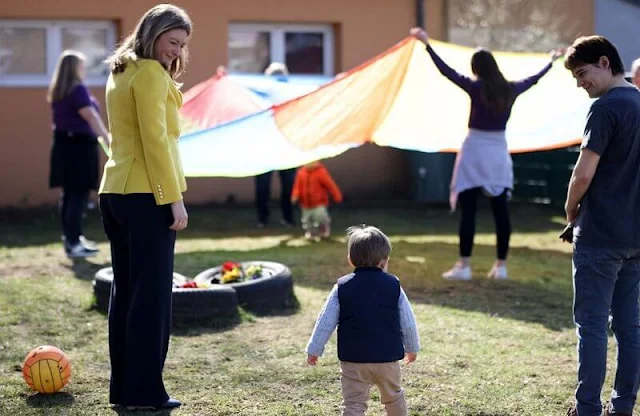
(364, 28)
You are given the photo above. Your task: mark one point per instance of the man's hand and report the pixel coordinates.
(572, 214)
(312, 359)
(294, 200)
(410, 357)
(567, 234)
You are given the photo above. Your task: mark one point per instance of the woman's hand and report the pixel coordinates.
(94, 120)
(557, 53)
(420, 34)
(180, 217)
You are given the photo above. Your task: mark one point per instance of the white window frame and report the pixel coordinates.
(277, 45)
(53, 49)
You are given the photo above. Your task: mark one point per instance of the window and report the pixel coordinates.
(305, 49)
(29, 49)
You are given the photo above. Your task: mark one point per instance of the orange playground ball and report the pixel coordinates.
(46, 369)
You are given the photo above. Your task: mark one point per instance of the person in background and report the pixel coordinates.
(287, 176)
(74, 163)
(311, 189)
(635, 73)
(483, 164)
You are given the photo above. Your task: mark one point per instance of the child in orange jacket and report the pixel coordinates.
(311, 190)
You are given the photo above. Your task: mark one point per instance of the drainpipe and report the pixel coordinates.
(420, 13)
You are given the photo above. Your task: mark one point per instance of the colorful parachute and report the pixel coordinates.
(396, 99)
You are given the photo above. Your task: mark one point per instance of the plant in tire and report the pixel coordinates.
(261, 286)
(232, 272)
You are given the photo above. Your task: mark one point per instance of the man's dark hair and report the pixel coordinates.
(588, 50)
(367, 246)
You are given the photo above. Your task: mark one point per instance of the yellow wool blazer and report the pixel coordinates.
(142, 108)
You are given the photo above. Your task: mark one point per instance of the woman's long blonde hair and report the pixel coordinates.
(140, 43)
(65, 76)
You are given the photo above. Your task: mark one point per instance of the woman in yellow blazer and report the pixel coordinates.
(141, 202)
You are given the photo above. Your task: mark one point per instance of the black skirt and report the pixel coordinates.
(74, 161)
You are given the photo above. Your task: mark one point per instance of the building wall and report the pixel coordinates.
(619, 21)
(25, 118)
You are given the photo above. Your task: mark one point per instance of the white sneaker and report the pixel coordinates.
(498, 273)
(458, 273)
(85, 242)
(80, 250)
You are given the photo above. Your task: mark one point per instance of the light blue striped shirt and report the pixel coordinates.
(330, 313)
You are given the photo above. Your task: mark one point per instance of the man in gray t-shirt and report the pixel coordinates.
(603, 204)
(608, 215)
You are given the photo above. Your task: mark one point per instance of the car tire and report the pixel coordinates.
(272, 292)
(217, 303)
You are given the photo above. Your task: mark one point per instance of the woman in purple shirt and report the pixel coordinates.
(483, 164)
(74, 155)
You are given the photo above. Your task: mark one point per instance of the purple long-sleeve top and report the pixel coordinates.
(481, 117)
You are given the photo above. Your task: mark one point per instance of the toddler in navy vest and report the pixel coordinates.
(376, 326)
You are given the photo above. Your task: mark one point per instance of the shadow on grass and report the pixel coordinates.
(47, 401)
(122, 411)
(41, 226)
(217, 325)
(288, 311)
(539, 289)
(214, 326)
(84, 269)
(190, 327)
(194, 328)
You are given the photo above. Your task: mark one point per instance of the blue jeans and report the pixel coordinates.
(606, 281)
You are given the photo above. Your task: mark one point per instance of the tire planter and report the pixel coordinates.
(212, 305)
(273, 291)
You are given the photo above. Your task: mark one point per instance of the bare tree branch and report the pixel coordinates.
(514, 25)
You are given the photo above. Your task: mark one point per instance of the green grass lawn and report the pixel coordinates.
(488, 347)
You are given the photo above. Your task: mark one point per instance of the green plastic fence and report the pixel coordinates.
(542, 177)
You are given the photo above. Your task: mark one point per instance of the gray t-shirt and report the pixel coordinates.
(609, 215)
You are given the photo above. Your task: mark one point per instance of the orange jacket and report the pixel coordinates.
(312, 187)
